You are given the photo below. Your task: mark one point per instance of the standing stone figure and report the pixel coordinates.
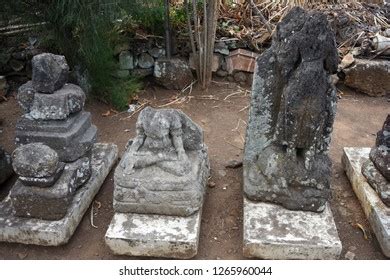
(165, 168)
(377, 168)
(292, 112)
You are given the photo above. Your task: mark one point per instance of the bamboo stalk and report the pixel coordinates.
(191, 34)
(205, 44)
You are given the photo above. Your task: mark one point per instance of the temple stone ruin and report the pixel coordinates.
(287, 170)
(59, 165)
(159, 188)
(368, 169)
(377, 168)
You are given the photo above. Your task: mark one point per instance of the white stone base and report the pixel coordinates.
(377, 213)
(55, 233)
(273, 232)
(154, 235)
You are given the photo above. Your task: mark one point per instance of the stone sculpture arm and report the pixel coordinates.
(178, 144)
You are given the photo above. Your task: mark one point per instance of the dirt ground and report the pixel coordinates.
(222, 112)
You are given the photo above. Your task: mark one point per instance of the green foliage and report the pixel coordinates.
(82, 30)
(121, 92)
(149, 14)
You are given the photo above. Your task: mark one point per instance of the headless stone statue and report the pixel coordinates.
(291, 116)
(161, 141)
(164, 168)
(377, 168)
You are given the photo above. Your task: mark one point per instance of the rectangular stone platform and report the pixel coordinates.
(154, 235)
(273, 232)
(55, 233)
(377, 213)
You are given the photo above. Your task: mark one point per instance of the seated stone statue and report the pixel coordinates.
(159, 141)
(165, 168)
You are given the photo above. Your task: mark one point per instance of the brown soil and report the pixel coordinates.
(359, 118)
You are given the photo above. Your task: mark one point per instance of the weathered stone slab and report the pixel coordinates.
(55, 233)
(377, 213)
(154, 235)
(273, 232)
(71, 138)
(58, 105)
(172, 73)
(369, 76)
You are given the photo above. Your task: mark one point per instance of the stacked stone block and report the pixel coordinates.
(55, 138)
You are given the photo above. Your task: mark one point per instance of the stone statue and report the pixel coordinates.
(159, 141)
(164, 168)
(292, 112)
(377, 168)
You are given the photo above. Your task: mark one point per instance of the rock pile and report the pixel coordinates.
(56, 138)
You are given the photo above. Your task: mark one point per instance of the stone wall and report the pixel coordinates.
(229, 61)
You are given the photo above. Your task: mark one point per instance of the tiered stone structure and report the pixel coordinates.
(54, 110)
(54, 133)
(60, 168)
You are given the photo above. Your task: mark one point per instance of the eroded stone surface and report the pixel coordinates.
(377, 168)
(165, 169)
(71, 138)
(25, 96)
(377, 181)
(377, 213)
(369, 76)
(152, 190)
(380, 154)
(154, 235)
(273, 232)
(173, 73)
(35, 160)
(291, 116)
(59, 105)
(49, 72)
(50, 203)
(5, 165)
(55, 233)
